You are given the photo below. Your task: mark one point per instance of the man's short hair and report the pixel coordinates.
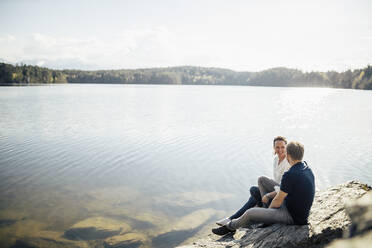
(279, 138)
(295, 150)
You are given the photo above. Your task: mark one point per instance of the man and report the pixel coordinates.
(293, 202)
(265, 184)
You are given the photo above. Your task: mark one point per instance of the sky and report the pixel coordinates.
(242, 35)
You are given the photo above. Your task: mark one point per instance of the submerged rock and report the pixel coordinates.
(96, 228)
(23, 228)
(8, 217)
(192, 220)
(328, 219)
(128, 240)
(191, 199)
(48, 239)
(185, 227)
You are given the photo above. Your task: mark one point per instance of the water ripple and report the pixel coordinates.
(221, 141)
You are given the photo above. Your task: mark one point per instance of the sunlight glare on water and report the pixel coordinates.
(158, 157)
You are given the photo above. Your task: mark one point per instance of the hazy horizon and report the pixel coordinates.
(240, 35)
(163, 67)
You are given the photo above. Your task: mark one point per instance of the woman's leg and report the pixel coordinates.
(255, 193)
(253, 200)
(266, 185)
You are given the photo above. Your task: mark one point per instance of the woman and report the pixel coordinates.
(267, 188)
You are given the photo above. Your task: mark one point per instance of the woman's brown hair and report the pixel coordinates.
(279, 138)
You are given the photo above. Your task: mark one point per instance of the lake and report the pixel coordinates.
(162, 162)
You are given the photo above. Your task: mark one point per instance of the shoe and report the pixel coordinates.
(223, 222)
(264, 225)
(223, 230)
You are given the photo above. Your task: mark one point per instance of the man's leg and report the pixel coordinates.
(262, 215)
(266, 185)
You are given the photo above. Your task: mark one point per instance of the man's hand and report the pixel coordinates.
(266, 198)
(278, 200)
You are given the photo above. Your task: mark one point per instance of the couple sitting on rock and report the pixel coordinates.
(286, 199)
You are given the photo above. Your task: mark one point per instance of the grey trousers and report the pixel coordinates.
(262, 215)
(266, 185)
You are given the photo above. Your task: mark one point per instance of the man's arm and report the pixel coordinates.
(278, 199)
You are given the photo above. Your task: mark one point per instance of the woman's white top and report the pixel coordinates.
(279, 170)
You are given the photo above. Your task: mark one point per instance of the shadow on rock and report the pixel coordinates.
(89, 233)
(96, 228)
(172, 239)
(4, 223)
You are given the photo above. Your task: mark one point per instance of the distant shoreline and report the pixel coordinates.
(26, 75)
(160, 84)
(33, 84)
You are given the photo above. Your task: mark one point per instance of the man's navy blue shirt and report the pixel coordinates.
(298, 183)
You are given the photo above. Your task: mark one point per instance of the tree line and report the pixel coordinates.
(189, 75)
(28, 74)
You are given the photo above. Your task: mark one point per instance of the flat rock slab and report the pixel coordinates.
(361, 241)
(96, 228)
(360, 213)
(328, 219)
(360, 231)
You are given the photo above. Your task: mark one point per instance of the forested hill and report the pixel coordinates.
(190, 75)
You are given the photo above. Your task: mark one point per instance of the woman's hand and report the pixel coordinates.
(265, 199)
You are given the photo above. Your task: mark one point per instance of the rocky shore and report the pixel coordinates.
(341, 216)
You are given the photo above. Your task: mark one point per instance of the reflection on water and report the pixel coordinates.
(155, 166)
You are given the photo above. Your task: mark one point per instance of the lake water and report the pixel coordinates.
(165, 160)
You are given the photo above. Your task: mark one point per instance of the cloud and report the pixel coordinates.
(128, 49)
(160, 47)
(7, 38)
